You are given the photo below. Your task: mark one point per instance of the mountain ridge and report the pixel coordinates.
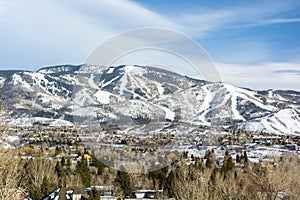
(140, 95)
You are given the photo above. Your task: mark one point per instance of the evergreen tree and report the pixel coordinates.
(159, 176)
(83, 170)
(185, 155)
(213, 176)
(60, 174)
(57, 151)
(170, 184)
(208, 163)
(69, 162)
(123, 180)
(192, 157)
(99, 165)
(207, 154)
(245, 157)
(227, 164)
(63, 161)
(237, 158)
(59, 170)
(192, 172)
(226, 153)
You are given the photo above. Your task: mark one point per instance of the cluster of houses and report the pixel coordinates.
(58, 143)
(106, 193)
(291, 143)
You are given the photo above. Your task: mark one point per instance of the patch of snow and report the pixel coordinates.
(12, 138)
(103, 96)
(273, 95)
(92, 83)
(83, 97)
(205, 108)
(160, 89)
(46, 98)
(123, 83)
(169, 114)
(250, 96)
(2, 80)
(128, 68)
(17, 79)
(91, 69)
(38, 78)
(110, 70)
(25, 121)
(236, 113)
(285, 121)
(270, 93)
(109, 82)
(5, 146)
(43, 83)
(69, 77)
(254, 126)
(84, 111)
(60, 122)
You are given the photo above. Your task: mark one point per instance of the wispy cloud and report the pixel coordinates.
(37, 33)
(119, 14)
(205, 21)
(245, 51)
(264, 76)
(202, 23)
(288, 71)
(265, 22)
(34, 34)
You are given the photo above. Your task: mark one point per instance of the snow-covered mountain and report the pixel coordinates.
(136, 95)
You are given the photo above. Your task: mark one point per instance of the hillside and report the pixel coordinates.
(132, 96)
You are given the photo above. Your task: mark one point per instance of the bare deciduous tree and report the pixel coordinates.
(12, 175)
(39, 168)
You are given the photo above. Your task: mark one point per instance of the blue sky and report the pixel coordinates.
(253, 43)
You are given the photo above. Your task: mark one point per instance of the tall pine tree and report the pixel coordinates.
(83, 170)
(123, 180)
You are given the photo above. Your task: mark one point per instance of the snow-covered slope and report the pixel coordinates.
(284, 121)
(130, 95)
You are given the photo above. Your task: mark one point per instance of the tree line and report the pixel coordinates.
(189, 177)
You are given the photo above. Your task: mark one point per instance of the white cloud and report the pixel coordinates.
(56, 31)
(120, 15)
(263, 76)
(200, 24)
(265, 22)
(39, 33)
(205, 21)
